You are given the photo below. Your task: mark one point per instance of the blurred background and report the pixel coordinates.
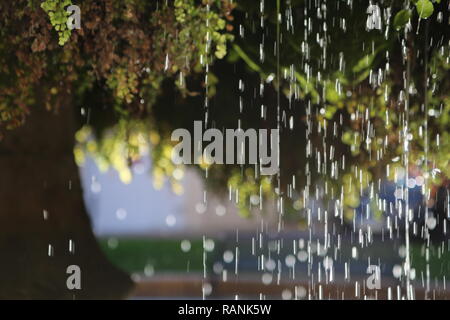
(359, 91)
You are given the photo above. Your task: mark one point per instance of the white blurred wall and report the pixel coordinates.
(138, 209)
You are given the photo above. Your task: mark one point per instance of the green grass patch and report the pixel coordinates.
(439, 260)
(143, 255)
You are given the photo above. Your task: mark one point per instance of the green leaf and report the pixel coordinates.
(331, 94)
(364, 63)
(250, 63)
(401, 19)
(425, 8)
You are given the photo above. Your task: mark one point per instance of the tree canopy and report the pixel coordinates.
(351, 99)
